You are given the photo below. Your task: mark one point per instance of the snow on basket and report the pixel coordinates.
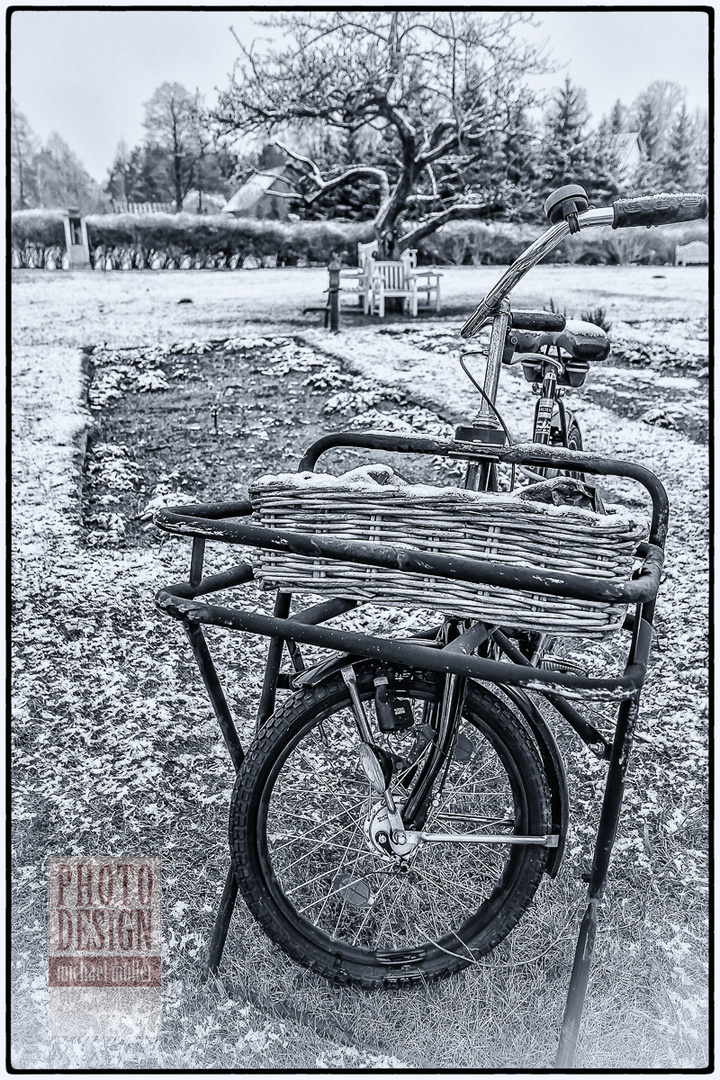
(373, 503)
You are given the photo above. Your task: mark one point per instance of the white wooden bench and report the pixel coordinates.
(427, 286)
(392, 278)
(376, 279)
(355, 282)
(695, 253)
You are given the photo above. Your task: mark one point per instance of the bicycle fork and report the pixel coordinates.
(377, 765)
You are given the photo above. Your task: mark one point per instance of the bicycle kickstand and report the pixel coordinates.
(607, 830)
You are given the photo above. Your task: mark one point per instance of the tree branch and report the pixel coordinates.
(460, 210)
(311, 172)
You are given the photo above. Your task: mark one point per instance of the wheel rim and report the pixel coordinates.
(340, 893)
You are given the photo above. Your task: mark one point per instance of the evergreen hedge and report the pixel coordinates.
(185, 241)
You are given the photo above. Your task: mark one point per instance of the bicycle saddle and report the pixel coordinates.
(583, 340)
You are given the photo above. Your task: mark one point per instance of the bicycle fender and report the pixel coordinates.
(314, 675)
(554, 771)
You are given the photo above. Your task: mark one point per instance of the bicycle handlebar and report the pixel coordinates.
(537, 320)
(624, 213)
(661, 209)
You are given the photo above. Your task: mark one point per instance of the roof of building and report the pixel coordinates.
(253, 190)
(625, 143)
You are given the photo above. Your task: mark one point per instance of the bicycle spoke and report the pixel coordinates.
(348, 812)
(339, 867)
(360, 928)
(321, 845)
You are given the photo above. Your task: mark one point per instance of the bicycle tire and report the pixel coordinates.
(572, 442)
(381, 926)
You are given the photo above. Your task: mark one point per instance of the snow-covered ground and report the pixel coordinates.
(56, 315)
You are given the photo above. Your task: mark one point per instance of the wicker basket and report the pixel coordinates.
(373, 503)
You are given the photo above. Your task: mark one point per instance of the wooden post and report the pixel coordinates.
(334, 295)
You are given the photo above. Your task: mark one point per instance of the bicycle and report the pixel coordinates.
(393, 819)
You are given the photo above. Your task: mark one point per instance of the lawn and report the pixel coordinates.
(133, 390)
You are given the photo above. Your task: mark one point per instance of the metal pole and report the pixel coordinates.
(266, 707)
(215, 692)
(607, 830)
(222, 924)
(334, 295)
(232, 741)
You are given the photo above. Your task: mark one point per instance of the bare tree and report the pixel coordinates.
(173, 122)
(23, 154)
(653, 112)
(439, 86)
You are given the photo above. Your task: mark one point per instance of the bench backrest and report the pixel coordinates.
(394, 274)
(695, 251)
(365, 252)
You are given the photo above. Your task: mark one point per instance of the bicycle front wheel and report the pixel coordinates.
(304, 824)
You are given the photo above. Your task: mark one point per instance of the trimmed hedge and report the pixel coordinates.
(475, 243)
(184, 241)
(472, 243)
(187, 241)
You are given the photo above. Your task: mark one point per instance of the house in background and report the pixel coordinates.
(259, 198)
(205, 202)
(628, 149)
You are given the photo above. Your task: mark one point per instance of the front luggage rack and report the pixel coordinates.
(228, 523)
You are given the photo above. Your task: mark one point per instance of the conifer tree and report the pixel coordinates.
(678, 166)
(701, 132)
(604, 160)
(618, 118)
(566, 157)
(63, 181)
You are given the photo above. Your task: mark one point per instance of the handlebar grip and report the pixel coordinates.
(537, 320)
(664, 209)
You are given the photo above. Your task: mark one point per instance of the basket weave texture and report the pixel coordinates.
(373, 504)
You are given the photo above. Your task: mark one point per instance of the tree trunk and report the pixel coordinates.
(177, 177)
(386, 224)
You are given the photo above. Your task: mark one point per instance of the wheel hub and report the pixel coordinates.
(381, 837)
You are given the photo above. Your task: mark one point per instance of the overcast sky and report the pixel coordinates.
(87, 74)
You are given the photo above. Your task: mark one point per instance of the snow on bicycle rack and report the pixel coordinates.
(539, 527)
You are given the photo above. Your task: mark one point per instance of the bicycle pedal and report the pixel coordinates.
(393, 714)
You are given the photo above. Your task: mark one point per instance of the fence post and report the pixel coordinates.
(334, 295)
